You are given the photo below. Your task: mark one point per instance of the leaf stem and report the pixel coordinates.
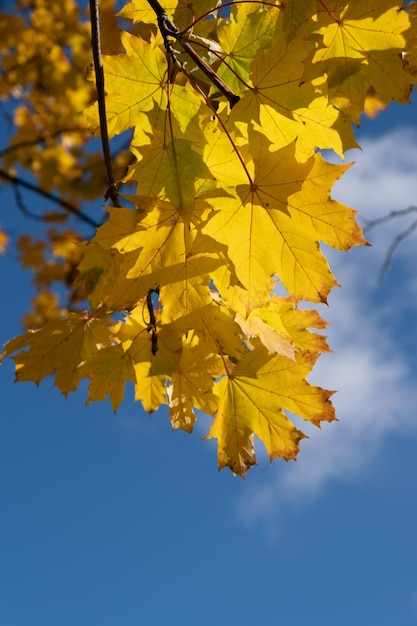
(332, 15)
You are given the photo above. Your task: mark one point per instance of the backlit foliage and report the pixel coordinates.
(225, 198)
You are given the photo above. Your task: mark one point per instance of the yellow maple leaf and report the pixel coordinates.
(232, 200)
(288, 204)
(273, 335)
(169, 170)
(249, 29)
(286, 107)
(109, 29)
(108, 370)
(98, 271)
(152, 249)
(191, 384)
(153, 364)
(360, 46)
(134, 83)
(182, 12)
(140, 10)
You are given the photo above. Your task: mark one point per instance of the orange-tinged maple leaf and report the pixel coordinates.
(298, 324)
(60, 348)
(235, 438)
(410, 54)
(251, 401)
(3, 241)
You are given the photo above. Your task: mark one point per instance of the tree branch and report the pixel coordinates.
(15, 180)
(112, 191)
(168, 29)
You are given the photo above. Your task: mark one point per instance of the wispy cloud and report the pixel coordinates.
(373, 377)
(382, 180)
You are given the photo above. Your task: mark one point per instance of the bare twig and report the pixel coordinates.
(389, 216)
(394, 245)
(112, 191)
(369, 224)
(16, 180)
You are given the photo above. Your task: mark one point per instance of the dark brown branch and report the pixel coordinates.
(22, 207)
(112, 191)
(211, 74)
(159, 11)
(168, 29)
(15, 180)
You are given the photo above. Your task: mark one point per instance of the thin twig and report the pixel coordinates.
(16, 180)
(369, 224)
(394, 245)
(389, 216)
(112, 191)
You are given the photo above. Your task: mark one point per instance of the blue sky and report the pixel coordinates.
(115, 520)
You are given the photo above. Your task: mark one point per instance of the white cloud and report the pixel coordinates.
(382, 180)
(376, 392)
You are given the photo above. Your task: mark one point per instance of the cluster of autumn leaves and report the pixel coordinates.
(219, 204)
